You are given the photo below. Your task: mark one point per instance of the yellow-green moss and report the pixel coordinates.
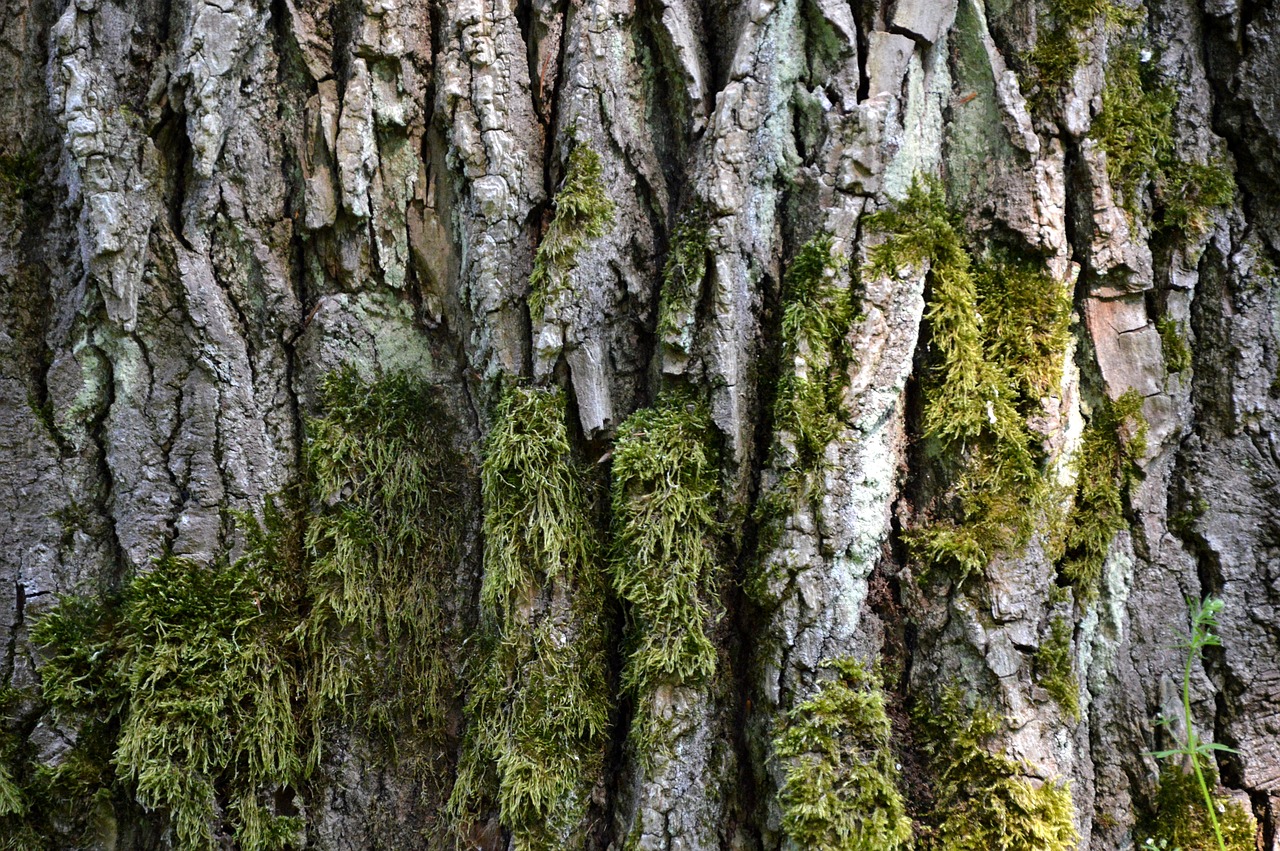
(1177, 356)
(984, 799)
(841, 788)
(540, 701)
(583, 211)
(1181, 821)
(816, 312)
(1055, 669)
(997, 331)
(682, 277)
(1107, 462)
(665, 473)
(382, 546)
(1136, 130)
(1057, 54)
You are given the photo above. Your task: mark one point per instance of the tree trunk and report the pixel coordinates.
(650, 425)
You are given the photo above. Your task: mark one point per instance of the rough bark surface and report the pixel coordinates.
(207, 208)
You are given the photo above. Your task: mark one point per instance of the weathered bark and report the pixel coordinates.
(206, 209)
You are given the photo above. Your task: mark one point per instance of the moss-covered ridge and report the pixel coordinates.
(841, 787)
(583, 211)
(539, 705)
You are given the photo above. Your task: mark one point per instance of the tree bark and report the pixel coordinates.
(208, 210)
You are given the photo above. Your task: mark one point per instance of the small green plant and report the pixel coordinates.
(841, 788)
(1177, 357)
(1055, 669)
(1180, 818)
(583, 211)
(1114, 441)
(539, 705)
(984, 801)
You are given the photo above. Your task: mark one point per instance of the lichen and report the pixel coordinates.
(1180, 820)
(984, 799)
(816, 313)
(583, 211)
(539, 704)
(1113, 443)
(1055, 669)
(665, 472)
(1136, 130)
(841, 788)
(1177, 357)
(998, 329)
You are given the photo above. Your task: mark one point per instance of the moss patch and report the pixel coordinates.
(665, 472)
(682, 277)
(1177, 357)
(1180, 820)
(1055, 669)
(998, 329)
(841, 788)
(1107, 463)
(540, 701)
(1136, 129)
(583, 211)
(984, 799)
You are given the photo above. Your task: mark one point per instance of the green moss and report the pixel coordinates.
(382, 545)
(1113, 442)
(816, 313)
(984, 799)
(665, 473)
(1057, 54)
(682, 277)
(583, 211)
(1177, 356)
(1055, 669)
(998, 329)
(841, 788)
(1181, 821)
(539, 704)
(20, 174)
(1136, 130)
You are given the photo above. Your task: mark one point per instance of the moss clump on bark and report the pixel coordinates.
(816, 313)
(665, 471)
(1136, 130)
(382, 545)
(998, 329)
(1177, 357)
(1055, 669)
(682, 277)
(1057, 54)
(1107, 463)
(984, 799)
(583, 211)
(841, 788)
(1181, 821)
(540, 701)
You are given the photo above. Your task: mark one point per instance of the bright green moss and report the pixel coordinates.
(665, 473)
(984, 799)
(1177, 356)
(1181, 821)
(997, 332)
(1055, 669)
(382, 545)
(1113, 442)
(1052, 62)
(682, 277)
(841, 788)
(1136, 130)
(540, 700)
(583, 211)
(816, 313)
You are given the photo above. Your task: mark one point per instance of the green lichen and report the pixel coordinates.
(539, 705)
(1113, 443)
(984, 799)
(841, 788)
(583, 211)
(1136, 130)
(682, 277)
(998, 329)
(382, 544)
(1055, 669)
(1180, 819)
(1177, 357)
(816, 313)
(665, 473)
